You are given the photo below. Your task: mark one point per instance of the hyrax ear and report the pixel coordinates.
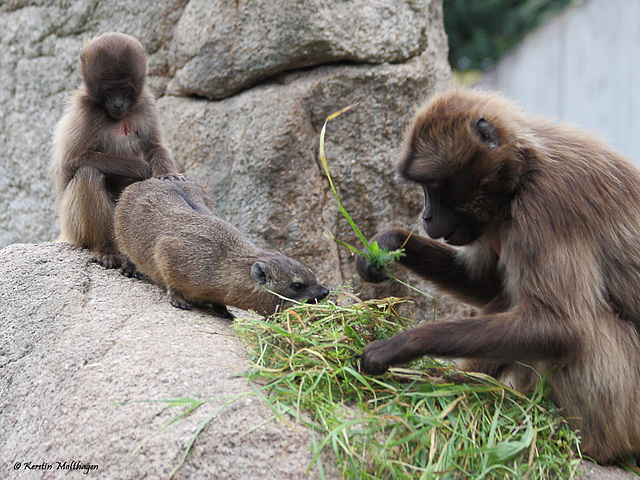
(261, 272)
(487, 133)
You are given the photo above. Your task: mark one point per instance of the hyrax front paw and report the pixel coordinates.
(178, 301)
(129, 269)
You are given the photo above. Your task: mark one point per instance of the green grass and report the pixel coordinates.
(427, 421)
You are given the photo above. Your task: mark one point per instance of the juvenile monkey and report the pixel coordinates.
(170, 232)
(541, 229)
(109, 136)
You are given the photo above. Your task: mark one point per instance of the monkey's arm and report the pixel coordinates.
(159, 159)
(436, 262)
(110, 165)
(156, 154)
(555, 307)
(518, 335)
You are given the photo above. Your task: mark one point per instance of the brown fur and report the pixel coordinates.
(547, 223)
(170, 231)
(108, 137)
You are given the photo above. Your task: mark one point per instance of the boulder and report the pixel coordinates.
(221, 48)
(88, 358)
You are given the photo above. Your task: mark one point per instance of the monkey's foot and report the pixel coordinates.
(108, 260)
(178, 301)
(173, 177)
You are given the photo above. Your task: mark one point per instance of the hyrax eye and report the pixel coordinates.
(297, 286)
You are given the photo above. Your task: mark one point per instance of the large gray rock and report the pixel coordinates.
(220, 48)
(76, 341)
(279, 68)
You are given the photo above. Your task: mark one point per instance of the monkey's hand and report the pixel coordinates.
(376, 358)
(368, 271)
(387, 240)
(173, 177)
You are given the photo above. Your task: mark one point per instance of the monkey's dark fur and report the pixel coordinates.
(170, 231)
(542, 223)
(108, 137)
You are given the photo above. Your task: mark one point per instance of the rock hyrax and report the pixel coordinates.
(170, 232)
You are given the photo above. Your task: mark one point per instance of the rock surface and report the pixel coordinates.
(87, 355)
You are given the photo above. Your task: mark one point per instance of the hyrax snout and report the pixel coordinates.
(169, 231)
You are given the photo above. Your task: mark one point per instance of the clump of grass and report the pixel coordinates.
(428, 421)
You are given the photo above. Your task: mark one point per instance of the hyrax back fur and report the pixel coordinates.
(168, 228)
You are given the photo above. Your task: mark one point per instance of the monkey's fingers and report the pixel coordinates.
(368, 272)
(173, 177)
(108, 260)
(375, 358)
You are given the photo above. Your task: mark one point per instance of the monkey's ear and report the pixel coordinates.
(487, 133)
(261, 272)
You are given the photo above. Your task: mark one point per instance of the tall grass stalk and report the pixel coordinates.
(379, 257)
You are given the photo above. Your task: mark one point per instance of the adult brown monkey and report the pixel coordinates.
(109, 136)
(541, 229)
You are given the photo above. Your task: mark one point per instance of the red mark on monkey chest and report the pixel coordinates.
(125, 127)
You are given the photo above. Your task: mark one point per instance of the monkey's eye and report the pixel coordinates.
(429, 184)
(297, 286)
